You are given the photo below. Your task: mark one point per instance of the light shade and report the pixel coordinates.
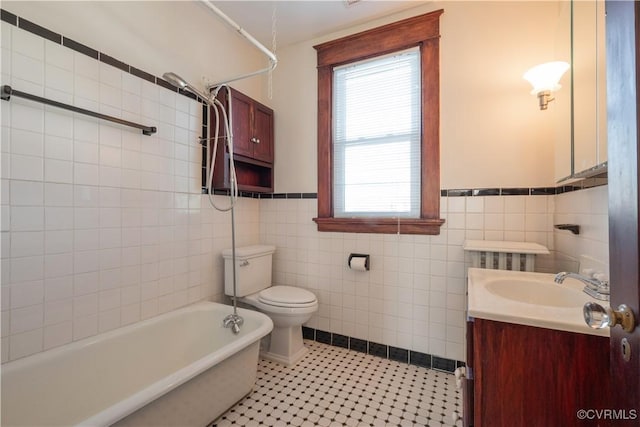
(545, 77)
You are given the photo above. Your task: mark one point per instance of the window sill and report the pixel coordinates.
(381, 225)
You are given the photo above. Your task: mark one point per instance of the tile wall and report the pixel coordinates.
(414, 295)
(101, 226)
(588, 209)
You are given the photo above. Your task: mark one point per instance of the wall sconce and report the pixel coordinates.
(544, 78)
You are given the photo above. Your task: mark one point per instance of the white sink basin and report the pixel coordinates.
(532, 299)
(534, 292)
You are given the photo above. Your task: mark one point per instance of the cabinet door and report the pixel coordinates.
(589, 85)
(530, 376)
(241, 113)
(263, 133)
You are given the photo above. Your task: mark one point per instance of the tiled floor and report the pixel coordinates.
(333, 386)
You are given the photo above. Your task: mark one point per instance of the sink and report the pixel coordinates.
(534, 292)
(528, 298)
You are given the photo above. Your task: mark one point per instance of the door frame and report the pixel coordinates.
(623, 74)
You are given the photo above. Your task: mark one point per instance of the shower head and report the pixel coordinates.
(181, 83)
(175, 80)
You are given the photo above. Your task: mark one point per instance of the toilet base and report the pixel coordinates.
(285, 360)
(285, 343)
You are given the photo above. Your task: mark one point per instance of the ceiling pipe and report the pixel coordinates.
(273, 61)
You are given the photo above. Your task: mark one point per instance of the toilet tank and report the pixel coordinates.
(253, 269)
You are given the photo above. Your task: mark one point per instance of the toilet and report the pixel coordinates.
(287, 306)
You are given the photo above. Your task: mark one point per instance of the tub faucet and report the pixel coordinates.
(595, 286)
(233, 321)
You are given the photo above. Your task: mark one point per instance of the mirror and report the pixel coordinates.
(588, 73)
(560, 112)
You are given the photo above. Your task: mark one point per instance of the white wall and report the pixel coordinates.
(101, 226)
(492, 132)
(156, 36)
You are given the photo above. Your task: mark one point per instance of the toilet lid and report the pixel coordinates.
(287, 296)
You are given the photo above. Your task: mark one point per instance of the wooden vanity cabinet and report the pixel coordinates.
(253, 145)
(528, 376)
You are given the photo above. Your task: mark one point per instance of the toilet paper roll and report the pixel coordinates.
(358, 263)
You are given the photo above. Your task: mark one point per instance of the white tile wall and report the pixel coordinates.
(414, 295)
(101, 226)
(588, 209)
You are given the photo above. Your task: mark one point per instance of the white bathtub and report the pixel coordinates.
(181, 368)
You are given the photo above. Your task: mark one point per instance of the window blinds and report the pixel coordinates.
(376, 137)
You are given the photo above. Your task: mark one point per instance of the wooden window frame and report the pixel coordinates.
(422, 31)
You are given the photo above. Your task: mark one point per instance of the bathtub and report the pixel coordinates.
(178, 369)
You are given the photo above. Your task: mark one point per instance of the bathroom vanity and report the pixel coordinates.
(531, 359)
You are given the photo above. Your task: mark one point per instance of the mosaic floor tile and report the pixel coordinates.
(333, 386)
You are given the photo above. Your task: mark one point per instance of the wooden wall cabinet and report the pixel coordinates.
(253, 145)
(529, 376)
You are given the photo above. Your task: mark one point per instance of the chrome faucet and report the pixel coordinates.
(594, 285)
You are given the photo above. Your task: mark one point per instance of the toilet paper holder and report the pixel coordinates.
(366, 260)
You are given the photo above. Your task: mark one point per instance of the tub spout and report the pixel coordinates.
(234, 322)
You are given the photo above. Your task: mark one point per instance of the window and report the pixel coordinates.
(376, 137)
(378, 130)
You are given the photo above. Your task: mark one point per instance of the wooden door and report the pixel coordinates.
(529, 376)
(622, 114)
(241, 113)
(263, 133)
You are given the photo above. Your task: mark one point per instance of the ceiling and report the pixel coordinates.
(300, 20)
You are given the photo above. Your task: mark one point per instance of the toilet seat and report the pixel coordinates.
(287, 297)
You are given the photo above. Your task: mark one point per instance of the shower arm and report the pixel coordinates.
(273, 61)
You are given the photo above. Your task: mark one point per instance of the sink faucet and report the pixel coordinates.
(595, 286)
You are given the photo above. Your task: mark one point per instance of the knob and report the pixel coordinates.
(598, 317)
(253, 140)
(257, 140)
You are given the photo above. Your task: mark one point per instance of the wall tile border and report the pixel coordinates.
(38, 30)
(8, 17)
(80, 48)
(381, 350)
(45, 33)
(524, 191)
(466, 192)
